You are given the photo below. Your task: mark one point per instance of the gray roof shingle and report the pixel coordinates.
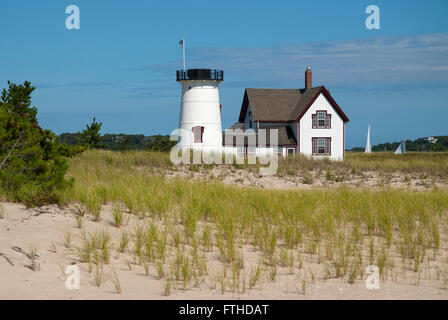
(279, 104)
(282, 105)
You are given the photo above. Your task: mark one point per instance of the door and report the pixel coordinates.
(290, 152)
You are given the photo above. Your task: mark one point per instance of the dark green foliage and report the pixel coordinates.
(70, 151)
(70, 144)
(32, 168)
(90, 136)
(70, 139)
(124, 141)
(161, 143)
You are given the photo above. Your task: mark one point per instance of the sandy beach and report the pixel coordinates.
(45, 227)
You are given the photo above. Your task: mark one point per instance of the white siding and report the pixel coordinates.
(336, 133)
(200, 107)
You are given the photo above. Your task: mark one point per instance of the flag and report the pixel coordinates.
(181, 42)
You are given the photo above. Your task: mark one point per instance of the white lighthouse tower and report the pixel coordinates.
(200, 110)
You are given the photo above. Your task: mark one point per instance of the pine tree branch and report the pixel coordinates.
(10, 151)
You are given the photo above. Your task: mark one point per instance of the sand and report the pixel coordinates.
(367, 179)
(45, 227)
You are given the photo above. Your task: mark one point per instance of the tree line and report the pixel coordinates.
(420, 144)
(110, 141)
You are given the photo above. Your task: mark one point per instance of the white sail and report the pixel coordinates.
(401, 148)
(368, 146)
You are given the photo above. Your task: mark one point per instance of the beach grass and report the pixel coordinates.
(344, 229)
(178, 224)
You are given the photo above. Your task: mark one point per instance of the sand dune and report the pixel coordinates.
(45, 228)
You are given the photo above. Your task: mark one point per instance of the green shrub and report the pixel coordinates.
(32, 169)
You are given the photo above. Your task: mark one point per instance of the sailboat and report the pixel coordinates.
(401, 148)
(368, 146)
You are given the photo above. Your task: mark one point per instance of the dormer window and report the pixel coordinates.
(198, 132)
(321, 120)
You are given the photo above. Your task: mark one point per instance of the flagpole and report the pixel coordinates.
(183, 50)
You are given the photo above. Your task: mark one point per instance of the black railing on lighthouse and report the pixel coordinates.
(200, 74)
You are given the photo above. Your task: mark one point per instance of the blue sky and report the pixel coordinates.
(120, 66)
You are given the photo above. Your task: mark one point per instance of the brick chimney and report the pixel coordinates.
(308, 80)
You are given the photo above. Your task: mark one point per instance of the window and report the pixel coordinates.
(198, 132)
(321, 120)
(321, 146)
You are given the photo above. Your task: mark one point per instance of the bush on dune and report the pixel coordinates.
(32, 167)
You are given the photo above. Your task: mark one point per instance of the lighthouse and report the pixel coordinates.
(200, 110)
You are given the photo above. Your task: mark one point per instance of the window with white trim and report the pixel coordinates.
(321, 146)
(321, 120)
(198, 132)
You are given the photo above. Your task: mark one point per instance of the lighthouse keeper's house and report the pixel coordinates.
(308, 120)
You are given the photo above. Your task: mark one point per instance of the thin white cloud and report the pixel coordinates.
(395, 61)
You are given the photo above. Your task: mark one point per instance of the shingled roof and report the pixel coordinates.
(282, 105)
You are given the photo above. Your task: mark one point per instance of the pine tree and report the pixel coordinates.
(31, 166)
(90, 136)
